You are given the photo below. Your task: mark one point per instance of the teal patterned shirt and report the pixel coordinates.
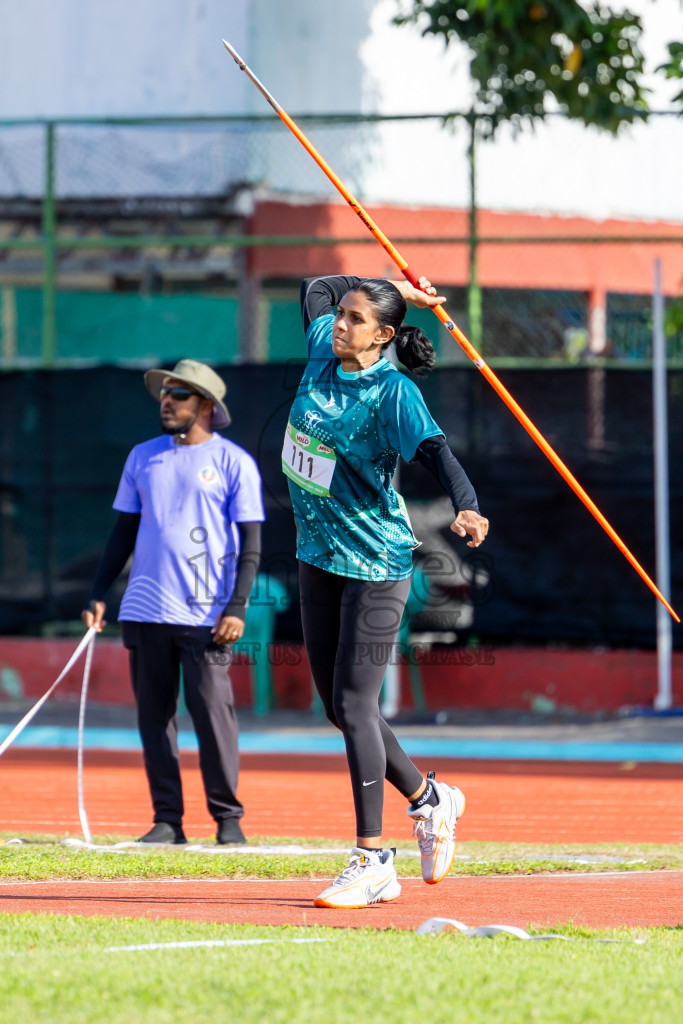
(344, 436)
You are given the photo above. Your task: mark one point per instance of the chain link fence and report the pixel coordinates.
(135, 241)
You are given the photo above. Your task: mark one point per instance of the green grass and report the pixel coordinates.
(44, 857)
(59, 969)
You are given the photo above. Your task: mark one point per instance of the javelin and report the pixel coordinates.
(443, 316)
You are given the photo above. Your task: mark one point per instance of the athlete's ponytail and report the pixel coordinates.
(413, 347)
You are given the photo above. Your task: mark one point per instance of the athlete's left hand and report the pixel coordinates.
(228, 629)
(471, 522)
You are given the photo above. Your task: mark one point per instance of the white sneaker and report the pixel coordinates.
(369, 878)
(434, 829)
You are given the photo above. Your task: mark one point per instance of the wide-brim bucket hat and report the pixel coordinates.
(199, 377)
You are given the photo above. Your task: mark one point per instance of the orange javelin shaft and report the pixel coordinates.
(455, 331)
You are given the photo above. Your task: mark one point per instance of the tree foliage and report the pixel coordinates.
(674, 67)
(528, 58)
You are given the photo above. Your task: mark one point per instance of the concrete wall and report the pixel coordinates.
(522, 679)
(87, 58)
(63, 58)
(308, 54)
(80, 58)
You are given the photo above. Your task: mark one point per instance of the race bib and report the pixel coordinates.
(308, 462)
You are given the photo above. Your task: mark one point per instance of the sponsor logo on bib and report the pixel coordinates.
(303, 440)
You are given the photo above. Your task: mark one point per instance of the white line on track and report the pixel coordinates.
(208, 943)
(155, 881)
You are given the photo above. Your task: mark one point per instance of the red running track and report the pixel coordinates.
(636, 899)
(299, 796)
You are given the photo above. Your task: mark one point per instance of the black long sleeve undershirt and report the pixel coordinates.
(121, 544)
(117, 551)
(247, 567)
(437, 458)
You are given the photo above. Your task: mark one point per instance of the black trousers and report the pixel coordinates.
(157, 652)
(350, 627)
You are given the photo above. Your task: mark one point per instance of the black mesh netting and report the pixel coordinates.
(551, 573)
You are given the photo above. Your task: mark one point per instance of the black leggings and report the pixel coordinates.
(350, 627)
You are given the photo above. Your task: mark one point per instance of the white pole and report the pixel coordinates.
(663, 699)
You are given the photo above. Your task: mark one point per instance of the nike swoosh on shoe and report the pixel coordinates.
(372, 894)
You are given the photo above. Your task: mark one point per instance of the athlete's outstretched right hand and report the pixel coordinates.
(424, 297)
(94, 615)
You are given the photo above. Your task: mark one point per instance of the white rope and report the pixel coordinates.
(87, 835)
(487, 931)
(38, 705)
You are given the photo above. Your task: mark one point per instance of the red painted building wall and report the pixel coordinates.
(619, 267)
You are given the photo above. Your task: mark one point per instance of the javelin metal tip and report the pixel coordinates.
(234, 54)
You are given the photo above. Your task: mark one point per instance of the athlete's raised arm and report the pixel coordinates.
(320, 295)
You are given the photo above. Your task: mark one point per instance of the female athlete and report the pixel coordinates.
(353, 415)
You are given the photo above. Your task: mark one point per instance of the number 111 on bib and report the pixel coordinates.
(308, 462)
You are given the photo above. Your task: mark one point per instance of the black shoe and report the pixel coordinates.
(164, 832)
(229, 833)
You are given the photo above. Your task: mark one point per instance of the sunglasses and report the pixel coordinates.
(177, 394)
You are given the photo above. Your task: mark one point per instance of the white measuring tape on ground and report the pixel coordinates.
(434, 925)
(87, 639)
(131, 846)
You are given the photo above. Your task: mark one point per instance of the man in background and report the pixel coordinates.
(190, 510)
